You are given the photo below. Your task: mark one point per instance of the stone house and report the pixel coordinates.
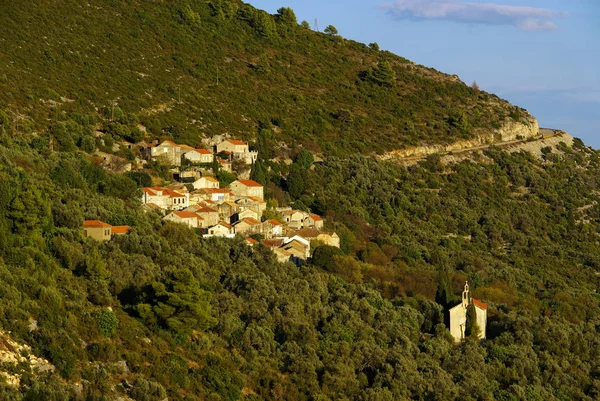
(282, 255)
(313, 220)
(312, 234)
(206, 182)
(247, 188)
(168, 152)
(190, 219)
(165, 198)
(294, 218)
(298, 247)
(211, 194)
(238, 150)
(227, 209)
(199, 156)
(245, 213)
(98, 230)
(254, 203)
(247, 226)
(220, 229)
(458, 316)
(271, 228)
(210, 215)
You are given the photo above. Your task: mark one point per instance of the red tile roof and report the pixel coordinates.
(165, 192)
(249, 183)
(206, 209)
(252, 241)
(204, 151)
(187, 215)
(169, 143)
(95, 223)
(273, 222)
(120, 229)
(236, 142)
(222, 223)
(250, 220)
(316, 217)
(479, 304)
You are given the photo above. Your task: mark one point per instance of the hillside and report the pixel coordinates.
(205, 68)
(164, 312)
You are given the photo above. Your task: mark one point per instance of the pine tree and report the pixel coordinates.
(443, 295)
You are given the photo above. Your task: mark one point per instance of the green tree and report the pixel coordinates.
(304, 159)
(382, 74)
(305, 24)
(331, 30)
(472, 329)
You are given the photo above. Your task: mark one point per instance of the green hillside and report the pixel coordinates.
(186, 68)
(163, 312)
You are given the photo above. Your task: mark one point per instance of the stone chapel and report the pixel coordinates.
(458, 316)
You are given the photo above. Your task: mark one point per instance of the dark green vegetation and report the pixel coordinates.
(162, 312)
(190, 67)
(215, 319)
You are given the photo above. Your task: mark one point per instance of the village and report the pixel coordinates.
(198, 201)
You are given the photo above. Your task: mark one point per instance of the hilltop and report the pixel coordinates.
(203, 68)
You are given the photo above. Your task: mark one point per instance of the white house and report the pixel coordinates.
(246, 188)
(458, 316)
(165, 198)
(238, 150)
(206, 182)
(211, 194)
(190, 219)
(199, 156)
(221, 229)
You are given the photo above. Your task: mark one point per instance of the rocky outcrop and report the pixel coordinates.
(511, 131)
(17, 356)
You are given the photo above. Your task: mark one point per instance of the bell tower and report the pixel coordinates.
(466, 297)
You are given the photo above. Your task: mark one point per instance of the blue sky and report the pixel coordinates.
(543, 55)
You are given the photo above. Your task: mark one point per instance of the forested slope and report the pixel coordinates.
(187, 68)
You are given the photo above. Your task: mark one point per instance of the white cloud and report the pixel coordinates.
(522, 17)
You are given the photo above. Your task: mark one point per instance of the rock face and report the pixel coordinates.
(511, 131)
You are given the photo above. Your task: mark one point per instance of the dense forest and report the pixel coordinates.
(163, 312)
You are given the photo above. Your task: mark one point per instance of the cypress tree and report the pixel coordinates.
(472, 328)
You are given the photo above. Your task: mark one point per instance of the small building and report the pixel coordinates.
(190, 219)
(206, 182)
(226, 209)
(294, 218)
(211, 194)
(199, 156)
(247, 226)
(167, 152)
(246, 188)
(312, 234)
(282, 255)
(221, 229)
(238, 149)
(210, 215)
(298, 247)
(254, 203)
(165, 198)
(271, 228)
(98, 230)
(458, 316)
(120, 230)
(313, 220)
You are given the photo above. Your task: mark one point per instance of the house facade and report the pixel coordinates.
(458, 316)
(165, 198)
(190, 219)
(206, 182)
(247, 188)
(247, 226)
(238, 150)
(167, 153)
(98, 230)
(199, 156)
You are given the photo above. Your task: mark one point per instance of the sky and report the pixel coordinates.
(542, 55)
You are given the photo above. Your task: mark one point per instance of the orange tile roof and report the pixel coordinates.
(215, 190)
(204, 151)
(165, 192)
(255, 199)
(273, 222)
(308, 233)
(236, 142)
(316, 217)
(273, 243)
(95, 223)
(209, 178)
(252, 241)
(169, 143)
(479, 304)
(250, 220)
(120, 229)
(186, 215)
(249, 183)
(222, 223)
(206, 209)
